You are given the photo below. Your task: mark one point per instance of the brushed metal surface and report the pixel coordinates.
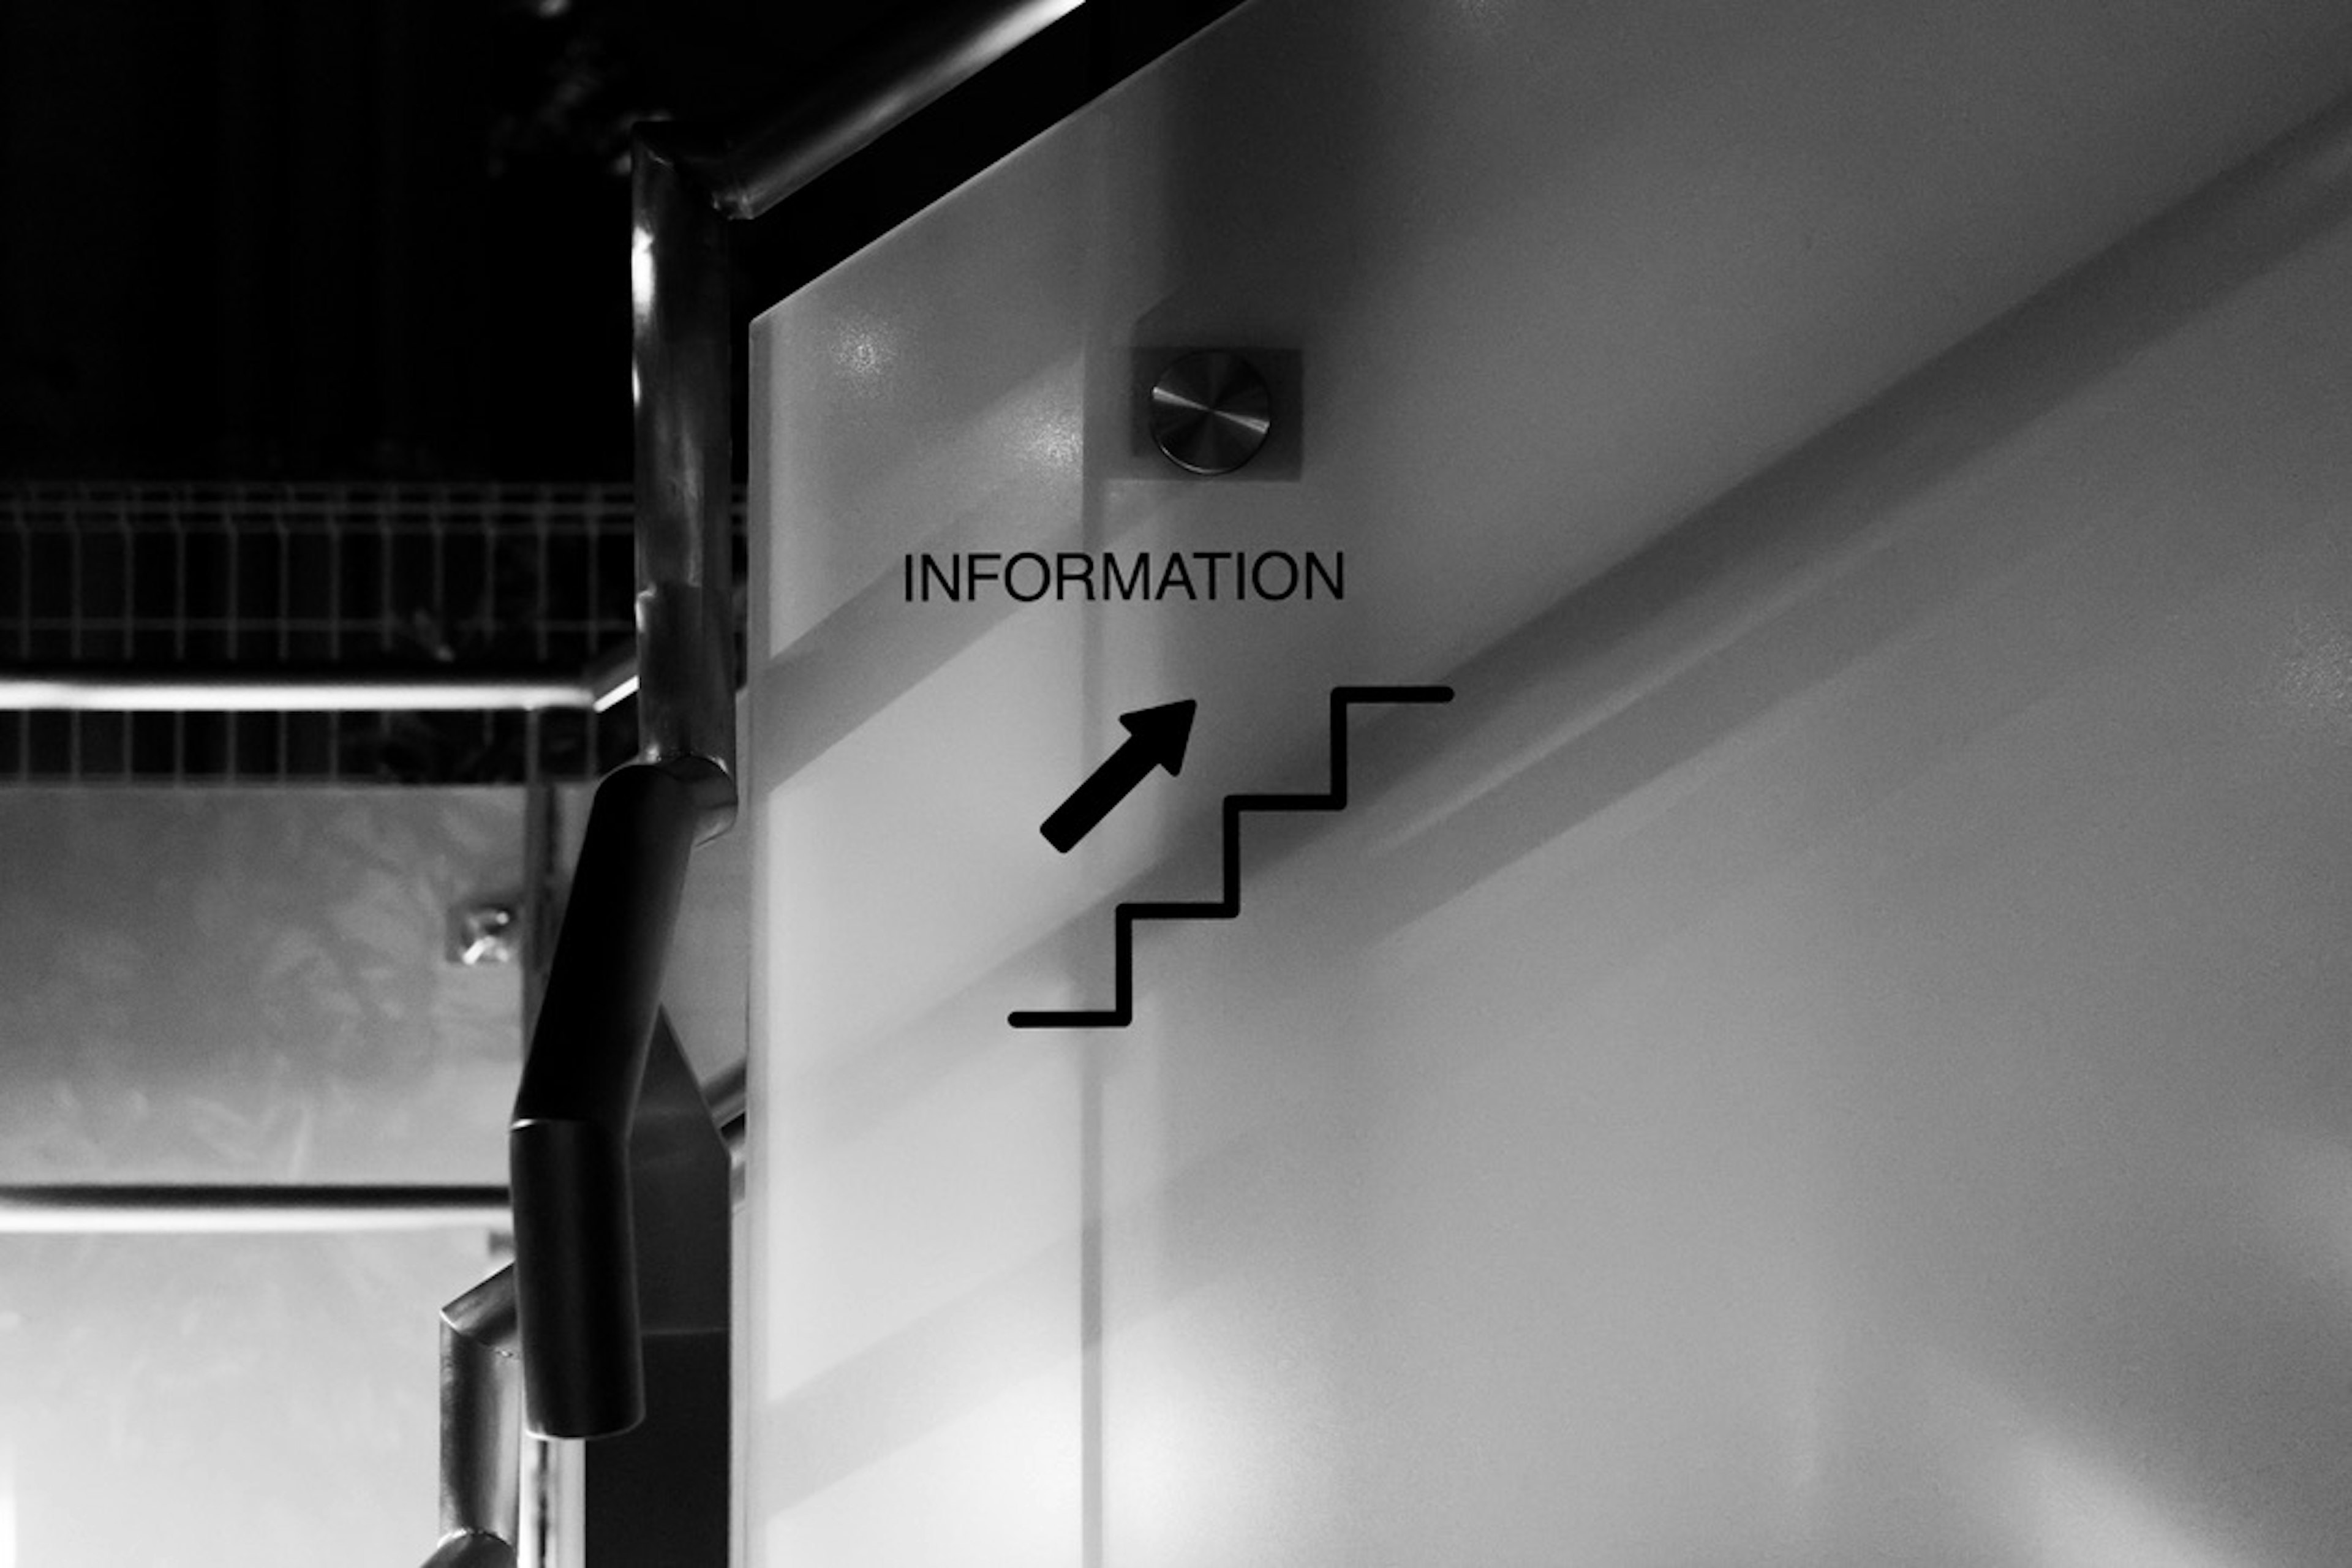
(1209, 412)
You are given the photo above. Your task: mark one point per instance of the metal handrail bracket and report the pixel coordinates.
(568, 1145)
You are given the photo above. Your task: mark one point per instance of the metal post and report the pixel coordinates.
(686, 683)
(481, 1428)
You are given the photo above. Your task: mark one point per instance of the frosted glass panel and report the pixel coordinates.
(1821, 1054)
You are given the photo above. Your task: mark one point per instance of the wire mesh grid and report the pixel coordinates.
(358, 576)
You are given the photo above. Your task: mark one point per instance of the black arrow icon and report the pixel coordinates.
(1155, 739)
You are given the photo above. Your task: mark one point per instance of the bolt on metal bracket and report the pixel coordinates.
(484, 931)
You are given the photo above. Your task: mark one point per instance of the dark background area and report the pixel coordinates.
(387, 239)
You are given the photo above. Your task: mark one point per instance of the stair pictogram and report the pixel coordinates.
(1125, 916)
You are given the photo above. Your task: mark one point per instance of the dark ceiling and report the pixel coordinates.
(269, 239)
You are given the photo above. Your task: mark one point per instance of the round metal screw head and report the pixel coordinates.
(1209, 412)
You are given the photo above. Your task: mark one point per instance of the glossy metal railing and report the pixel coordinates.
(746, 176)
(87, 690)
(574, 1249)
(216, 1209)
(92, 688)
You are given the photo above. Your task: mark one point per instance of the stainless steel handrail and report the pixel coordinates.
(90, 689)
(686, 688)
(234, 1209)
(747, 177)
(684, 188)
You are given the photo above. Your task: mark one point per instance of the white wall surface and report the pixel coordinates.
(1828, 1052)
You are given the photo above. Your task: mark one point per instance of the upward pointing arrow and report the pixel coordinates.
(1155, 739)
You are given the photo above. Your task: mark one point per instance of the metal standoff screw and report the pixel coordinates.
(484, 931)
(1209, 412)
